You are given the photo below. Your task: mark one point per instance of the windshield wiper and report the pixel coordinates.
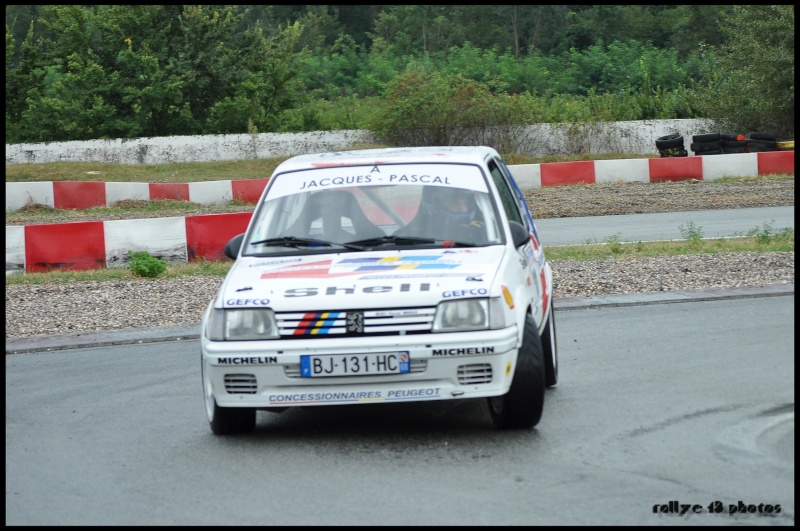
(397, 240)
(293, 241)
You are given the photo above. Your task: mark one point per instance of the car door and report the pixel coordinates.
(517, 210)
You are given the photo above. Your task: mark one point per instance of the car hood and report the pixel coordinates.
(376, 279)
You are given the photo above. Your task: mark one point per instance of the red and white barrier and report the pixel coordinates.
(651, 170)
(82, 195)
(86, 245)
(98, 244)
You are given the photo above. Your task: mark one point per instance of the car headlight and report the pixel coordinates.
(242, 325)
(469, 314)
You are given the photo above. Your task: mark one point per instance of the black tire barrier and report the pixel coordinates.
(707, 137)
(728, 144)
(702, 147)
(763, 136)
(755, 145)
(716, 143)
(734, 149)
(669, 142)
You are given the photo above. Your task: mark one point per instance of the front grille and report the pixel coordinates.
(416, 366)
(390, 321)
(477, 373)
(240, 384)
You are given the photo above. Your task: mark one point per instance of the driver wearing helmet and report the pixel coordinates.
(447, 214)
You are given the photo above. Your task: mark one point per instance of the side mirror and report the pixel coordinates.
(519, 234)
(233, 246)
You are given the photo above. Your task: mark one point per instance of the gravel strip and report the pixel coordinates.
(671, 273)
(642, 198)
(54, 309)
(82, 307)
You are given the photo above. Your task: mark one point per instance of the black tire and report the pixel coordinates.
(728, 144)
(734, 149)
(522, 406)
(728, 137)
(762, 145)
(226, 420)
(669, 142)
(706, 137)
(700, 147)
(550, 349)
(232, 420)
(763, 136)
(712, 152)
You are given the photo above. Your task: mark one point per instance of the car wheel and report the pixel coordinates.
(550, 348)
(230, 420)
(226, 420)
(522, 406)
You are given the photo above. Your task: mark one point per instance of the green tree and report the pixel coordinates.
(74, 106)
(272, 86)
(150, 98)
(430, 108)
(321, 28)
(380, 67)
(334, 74)
(688, 26)
(749, 82)
(205, 57)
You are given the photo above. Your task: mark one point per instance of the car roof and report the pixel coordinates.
(421, 154)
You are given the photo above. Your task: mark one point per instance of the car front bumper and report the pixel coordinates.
(266, 374)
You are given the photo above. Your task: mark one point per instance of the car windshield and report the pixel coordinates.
(391, 206)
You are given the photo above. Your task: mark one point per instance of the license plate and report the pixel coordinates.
(354, 364)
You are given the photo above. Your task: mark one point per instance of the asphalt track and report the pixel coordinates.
(561, 231)
(663, 226)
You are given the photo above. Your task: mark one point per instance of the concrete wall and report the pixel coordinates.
(536, 140)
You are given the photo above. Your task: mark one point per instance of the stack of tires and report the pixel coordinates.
(671, 146)
(719, 143)
(730, 143)
(707, 144)
(761, 142)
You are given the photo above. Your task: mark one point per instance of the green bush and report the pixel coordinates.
(143, 264)
(433, 109)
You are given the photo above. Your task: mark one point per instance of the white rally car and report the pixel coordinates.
(383, 275)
